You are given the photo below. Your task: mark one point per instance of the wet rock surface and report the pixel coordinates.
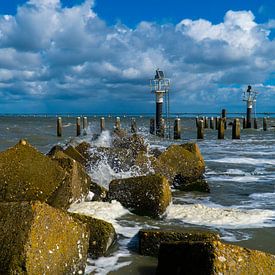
(27, 174)
(145, 195)
(212, 257)
(39, 239)
(151, 239)
(102, 235)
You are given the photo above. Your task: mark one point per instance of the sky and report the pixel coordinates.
(97, 56)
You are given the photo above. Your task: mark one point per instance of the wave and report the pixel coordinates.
(250, 161)
(221, 217)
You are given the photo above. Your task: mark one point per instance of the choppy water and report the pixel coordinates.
(241, 175)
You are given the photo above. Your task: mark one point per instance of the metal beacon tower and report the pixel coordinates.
(160, 87)
(250, 97)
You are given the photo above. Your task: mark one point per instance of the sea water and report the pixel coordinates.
(241, 175)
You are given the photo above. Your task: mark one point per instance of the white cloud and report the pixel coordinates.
(49, 52)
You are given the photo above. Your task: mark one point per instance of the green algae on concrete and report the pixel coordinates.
(145, 195)
(74, 154)
(36, 238)
(102, 235)
(184, 166)
(151, 239)
(27, 174)
(212, 257)
(76, 185)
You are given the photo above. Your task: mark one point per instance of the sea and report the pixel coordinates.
(240, 173)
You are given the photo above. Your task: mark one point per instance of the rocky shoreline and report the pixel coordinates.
(39, 236)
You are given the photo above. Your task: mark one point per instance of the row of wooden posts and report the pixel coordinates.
(85, 125)
(219, 123)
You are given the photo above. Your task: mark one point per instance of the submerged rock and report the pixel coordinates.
(145, 195)
(76, 185)
(212, 257)
(36, 238)
(27, 174)
(102, 235)
(151, 239)
(184, 166)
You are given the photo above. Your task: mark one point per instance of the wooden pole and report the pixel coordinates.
(85, 125)
(177, 129)
(200, 129)
(117, 123)
(78, 126)
(217, 123)
(224, 117)
(265, 124)
(255, 123)
(221, 129)
(133, 126)
(197, 119)
(102, 124)
(212, 123)
(59, 127)
(205, 122)
(236, 129)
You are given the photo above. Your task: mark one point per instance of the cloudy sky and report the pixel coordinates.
(98, 56)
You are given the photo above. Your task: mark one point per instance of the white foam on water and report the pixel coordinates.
(250, 161)
(235, 236)
(235, 179)
(104, 140)
(221, 217)
(263, 196)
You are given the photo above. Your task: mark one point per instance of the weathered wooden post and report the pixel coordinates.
(78, 126)
(265, 124)
(200, 129)
(59, 127)
(152, 126)
(102, 124)
(177, 129)
(212, 123)
(216, 123)
(133, 126)
(197, 119)
(236, 129)
(224, 117)
(255, 123)
(221, 129)
(244, 122)
(117, 123)
(85, 125)
(206, 122)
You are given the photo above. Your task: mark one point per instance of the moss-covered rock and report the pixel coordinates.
(212, 257)
(134, 144)
(84, 149)
(76, 185)
(74, 154)
(27, 174)
(184, 166)
(54, 150)
(150, 239)
(102, 235)
(36, 238)
(146, 195)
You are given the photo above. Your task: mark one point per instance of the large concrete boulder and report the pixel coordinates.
(27, 174)
(184, 166)
(151, 239)
(76, 185)
(102, 235)
(36, 238)
(76, 155)
(212, 257)
(145, 195)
